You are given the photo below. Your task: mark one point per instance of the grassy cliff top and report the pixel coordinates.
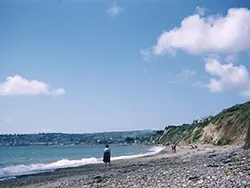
(235, 116)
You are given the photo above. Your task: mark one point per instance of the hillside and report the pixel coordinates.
(230, 126)
(126, 137)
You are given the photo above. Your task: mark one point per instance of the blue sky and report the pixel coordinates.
(90, 66)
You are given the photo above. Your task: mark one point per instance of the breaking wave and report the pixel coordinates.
(17, 170)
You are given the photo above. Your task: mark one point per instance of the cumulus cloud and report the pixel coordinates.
(212, 34)
(227, 77)
(114, 10)
(16, 85)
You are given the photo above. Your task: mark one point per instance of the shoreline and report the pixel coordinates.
(131, 170)
(48, 167)
(75, 145)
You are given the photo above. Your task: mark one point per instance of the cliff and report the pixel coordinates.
(230, 127)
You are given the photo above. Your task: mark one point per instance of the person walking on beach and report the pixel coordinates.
(106, 155)
(173, 147)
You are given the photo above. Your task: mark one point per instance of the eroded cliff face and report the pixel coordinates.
(226, 130)
(229, 127)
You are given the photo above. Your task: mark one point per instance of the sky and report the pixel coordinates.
(78, 66)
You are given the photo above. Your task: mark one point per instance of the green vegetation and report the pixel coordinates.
(129, 140)
(198, 133)
(128, 137)
(242, 110)
(174, 134)
(238, 115)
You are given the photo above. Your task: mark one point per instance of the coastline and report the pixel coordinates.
(160, 170)
(15, 171)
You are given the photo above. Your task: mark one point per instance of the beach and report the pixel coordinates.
(206, 166)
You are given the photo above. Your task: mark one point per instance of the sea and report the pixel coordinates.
(24, 160)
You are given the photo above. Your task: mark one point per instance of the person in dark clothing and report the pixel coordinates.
(173, 147)
(106, 155)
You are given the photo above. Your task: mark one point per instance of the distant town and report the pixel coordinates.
(129, 137)
(202, 120)
(126, 137)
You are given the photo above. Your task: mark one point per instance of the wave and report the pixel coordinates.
(17, 170)
(152, 151)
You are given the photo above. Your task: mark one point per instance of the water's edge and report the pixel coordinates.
(11, 172)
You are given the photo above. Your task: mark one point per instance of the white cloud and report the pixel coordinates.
(186, 74)
(114, 10)
(213, 34)
(229, 76)
(16, 85)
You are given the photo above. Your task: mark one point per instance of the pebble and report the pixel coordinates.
(197, 170)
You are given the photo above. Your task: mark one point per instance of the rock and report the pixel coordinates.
(200, 182)
(227, 161)
(97, 177)
(99, 180)
(171, 172)
(210, 156)
(213, 165)
(193, 178)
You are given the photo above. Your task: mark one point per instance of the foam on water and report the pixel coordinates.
(152, 151)
(17, 170)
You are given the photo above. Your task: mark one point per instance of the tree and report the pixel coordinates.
(129, 140)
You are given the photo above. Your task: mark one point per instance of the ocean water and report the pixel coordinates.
(15, 161)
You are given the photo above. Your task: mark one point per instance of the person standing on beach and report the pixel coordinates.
(173, 147)
(106, 155)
